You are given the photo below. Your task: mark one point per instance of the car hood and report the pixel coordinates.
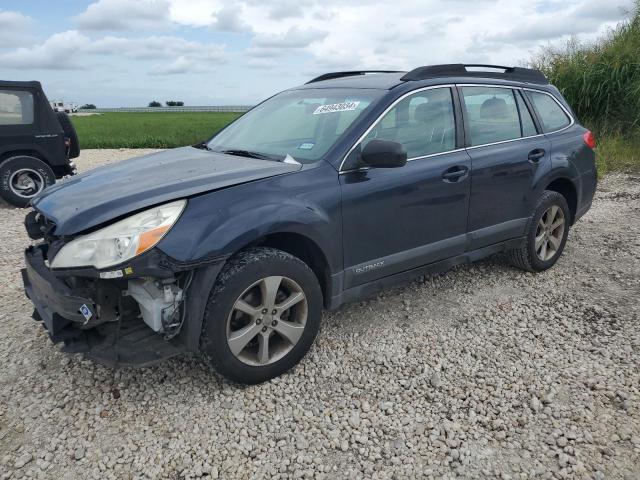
(108, 192)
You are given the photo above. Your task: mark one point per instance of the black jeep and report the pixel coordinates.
(36, 143)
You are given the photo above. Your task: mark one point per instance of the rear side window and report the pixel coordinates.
(551, 115)
(528, 127)
(424, 123)
(16, 107)
(492, 114)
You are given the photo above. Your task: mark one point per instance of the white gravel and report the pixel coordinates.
(483, 372)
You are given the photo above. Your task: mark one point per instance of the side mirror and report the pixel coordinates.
(384, 154)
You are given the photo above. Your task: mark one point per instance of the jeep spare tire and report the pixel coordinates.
(22, 178)
(70, 133)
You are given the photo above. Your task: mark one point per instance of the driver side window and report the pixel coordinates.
(423, 123)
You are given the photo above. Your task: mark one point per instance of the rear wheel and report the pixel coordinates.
(546, 234)
(262, 315)
(22, 178)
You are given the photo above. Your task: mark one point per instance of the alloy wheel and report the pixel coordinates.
(549, 233)
(267, 321)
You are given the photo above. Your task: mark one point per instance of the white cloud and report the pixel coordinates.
(392, 34)
(124, 15)
(295, 37)
(570, 20)
(156, 47)
(179, 66)
(14, 28)
(291, 40)
(180, 55)
(603, 11)
(289, 8)
(58, 52)
(276, 44)
(228, 19)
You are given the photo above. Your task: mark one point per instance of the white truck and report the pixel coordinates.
(60, 106)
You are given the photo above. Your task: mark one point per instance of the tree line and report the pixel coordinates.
(168, 103)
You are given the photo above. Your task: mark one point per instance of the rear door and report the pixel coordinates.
(396, 219)
(506, 151)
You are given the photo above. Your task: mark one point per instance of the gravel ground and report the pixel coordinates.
(482, 372)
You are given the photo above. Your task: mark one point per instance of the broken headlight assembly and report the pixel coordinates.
(121, 240)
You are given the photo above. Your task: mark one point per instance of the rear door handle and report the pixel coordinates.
(536, 154)
(455, 174)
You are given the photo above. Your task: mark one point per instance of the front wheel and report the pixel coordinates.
(22, 178)
(546, 235)
(262, 315)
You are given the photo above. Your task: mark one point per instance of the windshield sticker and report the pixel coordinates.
(336, 107)
(306, 146)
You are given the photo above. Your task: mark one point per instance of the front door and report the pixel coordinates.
(396, 219)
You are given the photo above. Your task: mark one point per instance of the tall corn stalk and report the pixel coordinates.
(601, 81)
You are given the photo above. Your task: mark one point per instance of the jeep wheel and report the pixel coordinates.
(23, 178)
(262, 315)
(70, 133)
(546, 234)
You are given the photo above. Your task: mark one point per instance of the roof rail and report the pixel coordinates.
(332, 75)
(462, 70)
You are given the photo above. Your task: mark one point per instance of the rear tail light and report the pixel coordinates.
(589, 139)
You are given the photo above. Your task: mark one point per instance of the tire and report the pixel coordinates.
(70, 133)
(22, 178)
(247, 276)
(531, 257)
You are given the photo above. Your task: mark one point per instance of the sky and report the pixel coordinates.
(210, 52)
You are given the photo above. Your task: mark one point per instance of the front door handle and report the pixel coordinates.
(536, 154)
(455, 174)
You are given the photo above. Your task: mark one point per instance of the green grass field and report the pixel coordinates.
(148, 130)
(169, 130)
(618, 153)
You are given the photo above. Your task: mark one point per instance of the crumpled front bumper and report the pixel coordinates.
(56, 304)
(64, 312)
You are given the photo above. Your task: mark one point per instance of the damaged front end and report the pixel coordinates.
(134, 314)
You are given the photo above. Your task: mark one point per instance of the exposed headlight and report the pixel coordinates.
(121, 241)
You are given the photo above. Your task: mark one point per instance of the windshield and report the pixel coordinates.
(301, 123)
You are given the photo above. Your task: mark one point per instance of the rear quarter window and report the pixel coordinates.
(551, 115)
(16, 107)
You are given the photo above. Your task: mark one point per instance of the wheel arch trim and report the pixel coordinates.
(562, 183)
(24, 150)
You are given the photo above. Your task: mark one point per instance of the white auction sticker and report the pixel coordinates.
(112, 274)
(336, 107)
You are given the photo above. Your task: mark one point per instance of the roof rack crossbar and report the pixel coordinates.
(332, 75)
(462, 70)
